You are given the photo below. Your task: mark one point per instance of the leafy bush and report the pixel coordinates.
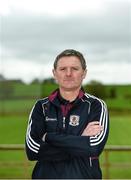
(96, 88)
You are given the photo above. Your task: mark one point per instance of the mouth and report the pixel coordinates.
(69, 80)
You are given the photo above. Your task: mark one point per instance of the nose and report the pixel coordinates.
(68, 72)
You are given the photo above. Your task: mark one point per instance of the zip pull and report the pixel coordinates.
(90, 161)
(63, 122)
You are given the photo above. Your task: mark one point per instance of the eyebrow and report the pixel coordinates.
(70, 66)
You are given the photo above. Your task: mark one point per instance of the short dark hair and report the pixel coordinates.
(71, 52)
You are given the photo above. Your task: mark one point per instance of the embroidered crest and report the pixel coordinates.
(74, 120)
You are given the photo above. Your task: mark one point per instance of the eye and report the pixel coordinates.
(75, 68)
(62, 69)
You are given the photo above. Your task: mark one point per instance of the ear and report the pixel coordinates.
(84, 74)
(53, 72)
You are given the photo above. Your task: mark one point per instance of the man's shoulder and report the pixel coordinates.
(95, 102)
(93, 99)
(44, 100)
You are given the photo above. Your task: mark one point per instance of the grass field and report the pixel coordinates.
(16, 128)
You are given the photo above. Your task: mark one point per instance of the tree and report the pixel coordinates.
(113, 93)
(35, 81)
(96, 88)
(2, 78)
(48, 86)
(6, 89)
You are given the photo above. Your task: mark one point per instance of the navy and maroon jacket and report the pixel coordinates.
(65, 154)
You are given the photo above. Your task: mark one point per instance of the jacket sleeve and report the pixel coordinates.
(36, 149)
(85, 145)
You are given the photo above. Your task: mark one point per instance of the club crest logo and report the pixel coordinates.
(74, 120)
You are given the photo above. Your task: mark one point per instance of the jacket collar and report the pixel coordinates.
(57, 99)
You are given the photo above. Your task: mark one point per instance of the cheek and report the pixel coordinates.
(59, 77)
(79, 76)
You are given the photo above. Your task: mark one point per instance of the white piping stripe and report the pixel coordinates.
(31, 137)
(101, 135)
(93, 144)
(102, 124)
(89, 106)
(30, 142)
(100, 102)
(101, 112)
(87, 95)
(88, 103)
(31, 113)
(31, 147)
(43, 105)
(103, 121)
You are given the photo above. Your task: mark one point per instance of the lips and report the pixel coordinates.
(68, 79)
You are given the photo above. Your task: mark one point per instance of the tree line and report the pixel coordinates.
(7, 88)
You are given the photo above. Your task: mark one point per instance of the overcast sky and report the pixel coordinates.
(33, 32)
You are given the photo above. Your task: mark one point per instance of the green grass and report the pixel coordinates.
(26, 90)
(14, 164)
(120, 130)
(118, 173)
(119, 104)
(16, 105)
(13, 129)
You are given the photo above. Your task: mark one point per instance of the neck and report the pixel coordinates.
(69, 95)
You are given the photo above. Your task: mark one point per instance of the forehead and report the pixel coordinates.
(69, 61)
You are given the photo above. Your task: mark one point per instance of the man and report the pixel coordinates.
(67, 131)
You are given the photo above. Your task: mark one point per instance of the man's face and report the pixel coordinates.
(69, 73)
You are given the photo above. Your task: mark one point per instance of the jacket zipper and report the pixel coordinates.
(63, 122)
